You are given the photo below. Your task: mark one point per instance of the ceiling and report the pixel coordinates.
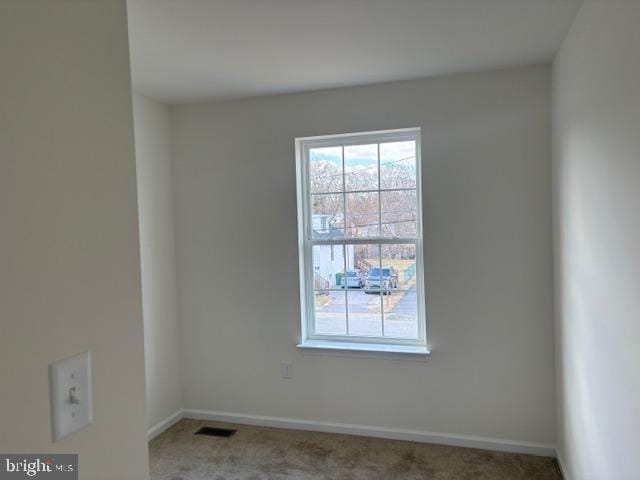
(195, 50)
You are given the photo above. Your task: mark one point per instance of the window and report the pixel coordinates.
(360, 236)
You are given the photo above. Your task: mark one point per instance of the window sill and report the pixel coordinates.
(364, 349)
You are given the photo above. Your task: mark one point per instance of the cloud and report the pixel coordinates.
(365, 156)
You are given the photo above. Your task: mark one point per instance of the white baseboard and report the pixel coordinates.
(161, 426)
(469, 441)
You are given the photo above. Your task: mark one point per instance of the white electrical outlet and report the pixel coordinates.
(287, 370)
(70, 382)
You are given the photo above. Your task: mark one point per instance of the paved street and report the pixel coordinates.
(400, 318)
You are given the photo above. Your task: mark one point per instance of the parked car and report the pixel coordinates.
(376, 281)
(352, 279)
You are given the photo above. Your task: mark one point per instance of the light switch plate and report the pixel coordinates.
(70, 382)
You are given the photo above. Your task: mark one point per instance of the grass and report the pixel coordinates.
(322, 299)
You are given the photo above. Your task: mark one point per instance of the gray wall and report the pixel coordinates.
(158, 259)
(597, 242)
(486, 154)
(69, 255)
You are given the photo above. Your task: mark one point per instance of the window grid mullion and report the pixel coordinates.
(346, 288)
(381, 283)
(371, 190)
(363, 240)
(344, 197)
(344, 246)
(380, 245)
(379, 196)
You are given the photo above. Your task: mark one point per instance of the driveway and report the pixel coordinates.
(365, 319)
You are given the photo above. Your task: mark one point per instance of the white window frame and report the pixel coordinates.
(308, 337)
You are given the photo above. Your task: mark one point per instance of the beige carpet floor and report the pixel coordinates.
(256, 453)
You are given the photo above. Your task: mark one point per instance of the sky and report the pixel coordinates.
(359, 156)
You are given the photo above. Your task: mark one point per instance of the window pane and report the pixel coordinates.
(401, 314)
(400, 259)
(328, 266)
(325, 169)
(327, 216)
(399, 213)
(330, 313)
(362, 212)
(400, 302)
(398, 165)
(364, 305)
(366, 257)
(365, 319)
(330, 305)
(361, 167)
